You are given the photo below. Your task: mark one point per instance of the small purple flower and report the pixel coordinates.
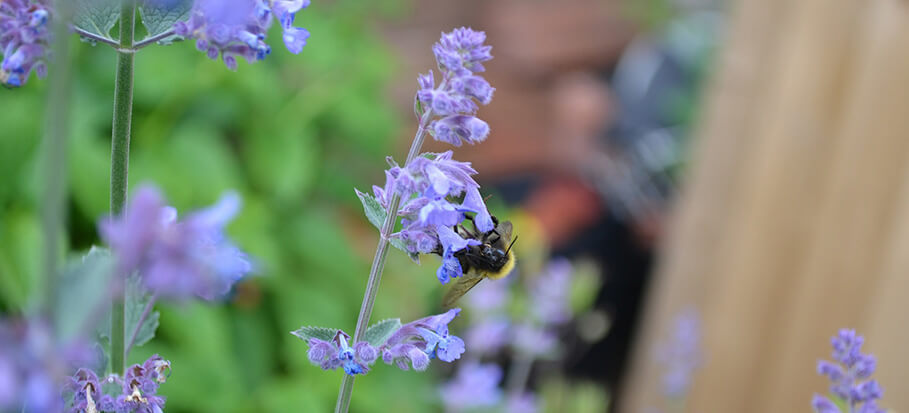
(87, 396)
(419, 341)
(459, 55)
(681, 355)
(237, 28)
(475, 386)
(24, 37)
(849, 376)
(337, 353)
(177, 259)
(140, 386)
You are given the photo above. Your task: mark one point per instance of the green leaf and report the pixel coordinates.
(96, 16)
(376, 215)
(82, 293)
(137, 299)
(321, 333)
(160, 19)
(379, 332)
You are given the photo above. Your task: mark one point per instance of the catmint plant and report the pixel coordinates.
(428, 195)
(851, 385)
(47, 363)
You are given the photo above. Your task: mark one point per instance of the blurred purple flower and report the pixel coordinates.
(24, 36)
(33, 366)
(237, 28)
(524, 403)
(488, 336)
(459, 55)
(177, 259)
(488, 297)
(475, 386)
(337, 353)
(681, 355)
(429, 184)
(849, 376)
(551, 293)
(534, 340)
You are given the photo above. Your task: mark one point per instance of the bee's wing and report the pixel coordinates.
(460, 287)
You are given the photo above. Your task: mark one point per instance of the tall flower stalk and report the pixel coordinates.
(428, 183)
(119, 166)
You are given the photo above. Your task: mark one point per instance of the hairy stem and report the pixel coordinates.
(57, 122)
(119, 167)
(378, 264)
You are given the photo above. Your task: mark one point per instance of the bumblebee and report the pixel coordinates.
(492, 258)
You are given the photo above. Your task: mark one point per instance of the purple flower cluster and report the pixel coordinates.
(430, 184)
(24, 36)
(32, 366)
(459, 55)
(138, 389)
(237, 28)
(475, 386)
(177, 259)
(849, 376)
(412, 345)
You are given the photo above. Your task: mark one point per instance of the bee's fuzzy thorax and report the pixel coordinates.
(509, 265)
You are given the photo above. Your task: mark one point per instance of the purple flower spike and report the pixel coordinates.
(237, 28)
(177, 259)
(460, 55)
(24, 38)
(849, 376)
(681, 355)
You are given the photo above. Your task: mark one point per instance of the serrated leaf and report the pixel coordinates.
(96, 16)
(82, 292)
(379, 332)
(376, 214)
(321, 333)
(137, 299)
(161, 18)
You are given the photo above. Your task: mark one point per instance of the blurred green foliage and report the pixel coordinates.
(294, 135)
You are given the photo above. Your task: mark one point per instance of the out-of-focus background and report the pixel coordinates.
(743, 163)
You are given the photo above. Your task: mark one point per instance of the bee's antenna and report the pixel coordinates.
(511, 245)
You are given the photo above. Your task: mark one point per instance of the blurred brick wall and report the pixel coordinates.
(548, 53)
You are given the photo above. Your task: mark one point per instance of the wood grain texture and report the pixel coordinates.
(792, 223)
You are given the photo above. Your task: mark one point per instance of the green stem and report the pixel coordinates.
(57, 122)
(119, 167)
(378, 265)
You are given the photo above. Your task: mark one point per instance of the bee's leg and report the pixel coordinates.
(475, 233)
(495, 221)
